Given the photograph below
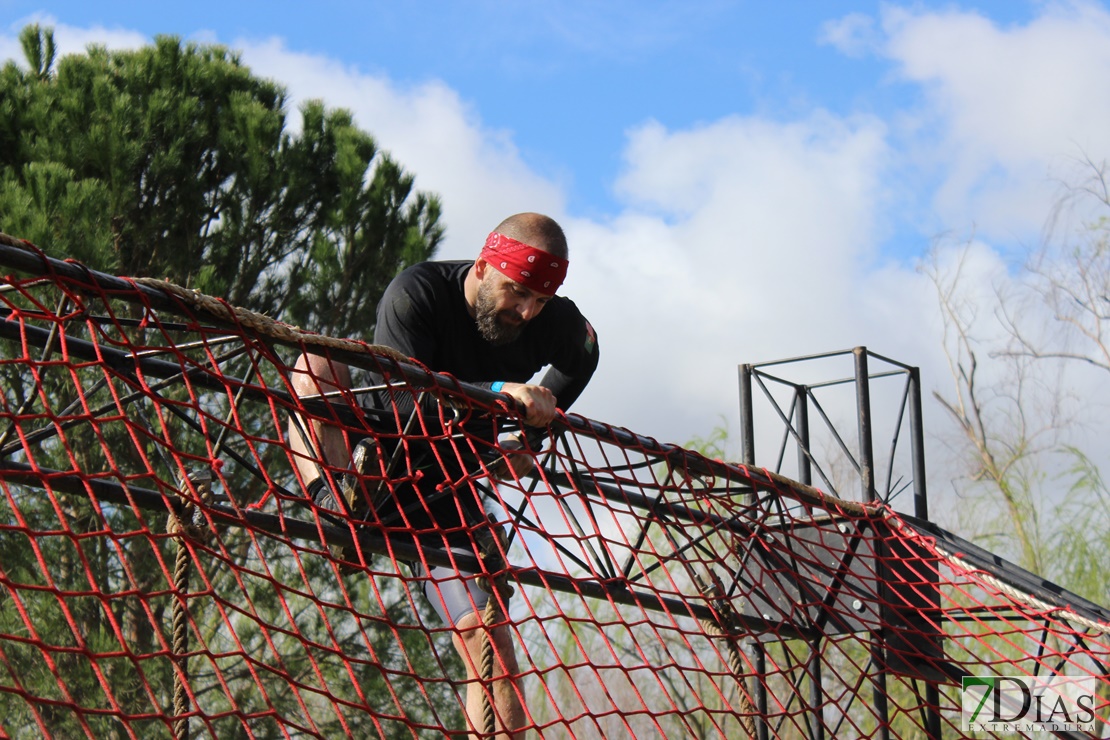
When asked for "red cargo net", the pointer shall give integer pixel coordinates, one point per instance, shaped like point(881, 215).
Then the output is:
point(162, 572)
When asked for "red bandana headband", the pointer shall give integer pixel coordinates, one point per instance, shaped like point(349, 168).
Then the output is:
point(533, 268)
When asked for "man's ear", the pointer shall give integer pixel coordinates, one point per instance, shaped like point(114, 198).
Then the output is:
point(480, 266)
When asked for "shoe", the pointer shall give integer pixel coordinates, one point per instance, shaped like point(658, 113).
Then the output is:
point(342, 553)
point(366, 463)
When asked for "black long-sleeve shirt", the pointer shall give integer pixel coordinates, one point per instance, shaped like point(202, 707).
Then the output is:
point(424, 315)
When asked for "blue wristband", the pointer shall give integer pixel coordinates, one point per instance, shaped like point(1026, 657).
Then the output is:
point(497, 386)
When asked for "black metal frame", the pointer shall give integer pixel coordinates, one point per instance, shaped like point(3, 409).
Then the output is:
point(907, 418)
point(796, 421)
point(607, 486)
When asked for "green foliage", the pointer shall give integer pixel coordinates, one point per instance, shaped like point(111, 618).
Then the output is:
point(714, 445)
point(175, 161)
point(1080, 544)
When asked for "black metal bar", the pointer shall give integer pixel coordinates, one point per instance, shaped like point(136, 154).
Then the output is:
point(826, 355)
point(917, 448)
point(863, 419)
point(125, 363)
point(828, 383)
point(805, 476)
point(203, 378)
point(933, 728)
point(888, 489)
point(778, 564)
point(755, 648)
point(1009, 573)
point(867, 484)
point(614, 589)
point(36, 262)
point(47, 350)
point(805, 466)
point(791, 432)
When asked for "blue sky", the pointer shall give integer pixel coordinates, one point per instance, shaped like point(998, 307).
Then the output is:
point(567, 79)
point(740, 181)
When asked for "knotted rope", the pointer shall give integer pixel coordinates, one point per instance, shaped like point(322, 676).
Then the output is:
point(492, 545)
point(180, 527)
point(726, 626)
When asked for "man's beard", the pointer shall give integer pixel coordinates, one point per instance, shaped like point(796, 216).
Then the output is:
point(490, 325)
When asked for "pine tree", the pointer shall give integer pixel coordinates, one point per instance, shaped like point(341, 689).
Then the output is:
point(174, 161)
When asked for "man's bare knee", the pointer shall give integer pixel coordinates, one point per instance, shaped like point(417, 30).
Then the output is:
point(314, 374)
point(313, 442)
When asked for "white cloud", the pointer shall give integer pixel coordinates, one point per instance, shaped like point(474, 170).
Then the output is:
point(430, 130)
point(854, 35)
point(1010, 105)
point(743, 241)
point(68, 39)
point(747, 239)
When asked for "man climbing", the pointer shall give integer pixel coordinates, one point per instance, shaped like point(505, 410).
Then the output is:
point(493, 323)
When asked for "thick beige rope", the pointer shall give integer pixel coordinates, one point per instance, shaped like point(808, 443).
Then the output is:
point(498, 587)
point(181, 526)
point(261, 323)
point(736, 663)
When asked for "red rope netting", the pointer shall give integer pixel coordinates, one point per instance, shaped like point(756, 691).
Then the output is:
point(163, 573)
